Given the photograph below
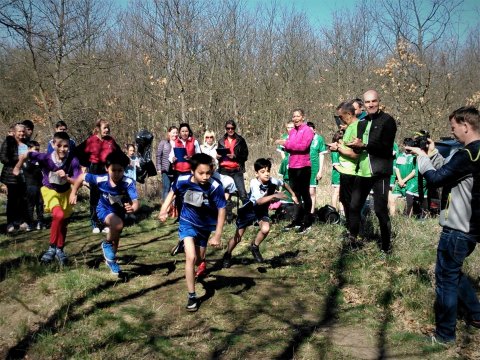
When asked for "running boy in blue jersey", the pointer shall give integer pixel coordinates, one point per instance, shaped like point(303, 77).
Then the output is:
point(118, 198)
point(263, 190)
point(203, 211)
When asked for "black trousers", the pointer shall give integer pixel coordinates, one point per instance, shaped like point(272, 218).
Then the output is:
point(347, 182)
point(299, 180)
point(361, 188)
point(239, 180)
point(16, 209)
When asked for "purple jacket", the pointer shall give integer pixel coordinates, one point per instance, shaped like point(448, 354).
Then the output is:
point(71, 166)
point(298, 146)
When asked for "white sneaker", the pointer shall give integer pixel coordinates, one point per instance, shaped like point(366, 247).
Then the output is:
point(96, 230)
point(10, 229)
point(24, 227)
point(106, 230)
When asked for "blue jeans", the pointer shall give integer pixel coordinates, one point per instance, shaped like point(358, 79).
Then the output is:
point(451, 284)
point(166, 184)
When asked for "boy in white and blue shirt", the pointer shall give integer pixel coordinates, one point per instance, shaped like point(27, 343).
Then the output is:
point(263, 190)
point(118, 198)
point(203, 211)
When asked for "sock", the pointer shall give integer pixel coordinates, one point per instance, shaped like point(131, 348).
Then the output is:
point(192, 295)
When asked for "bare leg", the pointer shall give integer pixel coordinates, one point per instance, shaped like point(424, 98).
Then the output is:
point(313, 196)
point(190, 260)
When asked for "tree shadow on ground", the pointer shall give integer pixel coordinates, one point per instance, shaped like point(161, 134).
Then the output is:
point(65, 313)
point(330, 309)
point(12, 264)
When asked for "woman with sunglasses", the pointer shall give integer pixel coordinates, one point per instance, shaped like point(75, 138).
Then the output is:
point(233, 163)
point(209, 145)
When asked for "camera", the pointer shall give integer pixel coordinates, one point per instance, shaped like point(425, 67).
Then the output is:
point(419, 140)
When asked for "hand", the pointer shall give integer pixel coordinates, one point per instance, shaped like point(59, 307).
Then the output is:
point(72, 199)
point(319, 176)
point(356, 144)
point(219, 156)
point(280, 142)
point(231, 156)
point(401, 183)
point(215, 240)
point(128, 208)
point(163, 216)
point(61, 173)
point(333, 146)
point(16, 171)
point(174, 159)
point(295, 200)
point(415, 150)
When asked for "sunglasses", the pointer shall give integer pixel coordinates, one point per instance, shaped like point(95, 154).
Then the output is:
point(230, 128)
point(208, 137)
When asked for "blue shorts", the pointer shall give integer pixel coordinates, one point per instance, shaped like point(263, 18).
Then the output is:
point(250, 218)
point(104, 211)
point(199, 235)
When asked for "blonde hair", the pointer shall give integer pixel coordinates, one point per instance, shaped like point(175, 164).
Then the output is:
point(209, 133)
point(98, 125)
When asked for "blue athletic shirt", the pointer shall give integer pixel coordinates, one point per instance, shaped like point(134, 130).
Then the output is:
point(113, 197)
point(200, 203)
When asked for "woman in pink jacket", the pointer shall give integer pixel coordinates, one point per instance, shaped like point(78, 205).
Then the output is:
point(299, 169)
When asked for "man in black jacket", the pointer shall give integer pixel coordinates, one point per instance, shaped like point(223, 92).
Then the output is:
point(375, 137)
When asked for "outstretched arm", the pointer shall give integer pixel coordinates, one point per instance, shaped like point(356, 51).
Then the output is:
point(77, 185)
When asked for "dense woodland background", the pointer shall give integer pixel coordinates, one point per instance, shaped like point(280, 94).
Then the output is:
point(151, 64)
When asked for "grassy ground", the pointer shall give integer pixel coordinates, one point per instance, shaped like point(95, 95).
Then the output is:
point(313, 299)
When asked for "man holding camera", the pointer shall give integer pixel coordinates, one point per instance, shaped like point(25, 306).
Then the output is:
point(374, 144)
point(459, 175)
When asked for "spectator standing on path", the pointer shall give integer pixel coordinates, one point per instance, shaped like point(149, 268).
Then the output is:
point(93, 153)
point(163, 164)
point(60, 126)
point(299, 169)
point(374, 143)
point(347, 157)
point(185, 140)
point(33, 181)
point(459, 176)
point(11, 149)
point(233, 163)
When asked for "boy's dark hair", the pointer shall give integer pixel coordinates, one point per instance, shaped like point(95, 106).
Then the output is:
point(337, 136)
point(311, 125)
point(28, 124)
point(262, 163)
point(60, 123)
point(60, 135)
point(117, 157)
point(201, 159)
point(33, 143)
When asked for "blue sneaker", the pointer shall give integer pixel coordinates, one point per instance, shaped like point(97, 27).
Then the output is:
point(114, 267)
point(48, 255)
point(61, 257)
point(108, 251)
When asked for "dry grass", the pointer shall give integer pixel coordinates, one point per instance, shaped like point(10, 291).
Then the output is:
point(313, 299)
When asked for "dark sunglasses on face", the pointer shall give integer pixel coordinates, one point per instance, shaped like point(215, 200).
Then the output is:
point(208, 137)
point(230, 128)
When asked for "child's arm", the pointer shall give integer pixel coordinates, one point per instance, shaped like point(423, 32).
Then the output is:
point(21, 160)
point(407, 178)
point(77, 185)
point(320, 168)
point(166, 204)
point(216, 240)
point(292, 194)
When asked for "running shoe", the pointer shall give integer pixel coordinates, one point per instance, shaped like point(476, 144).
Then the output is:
point(192, 304)
point(114, 267)
point(48, 255)
point(61, 257)
point(202, 269)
